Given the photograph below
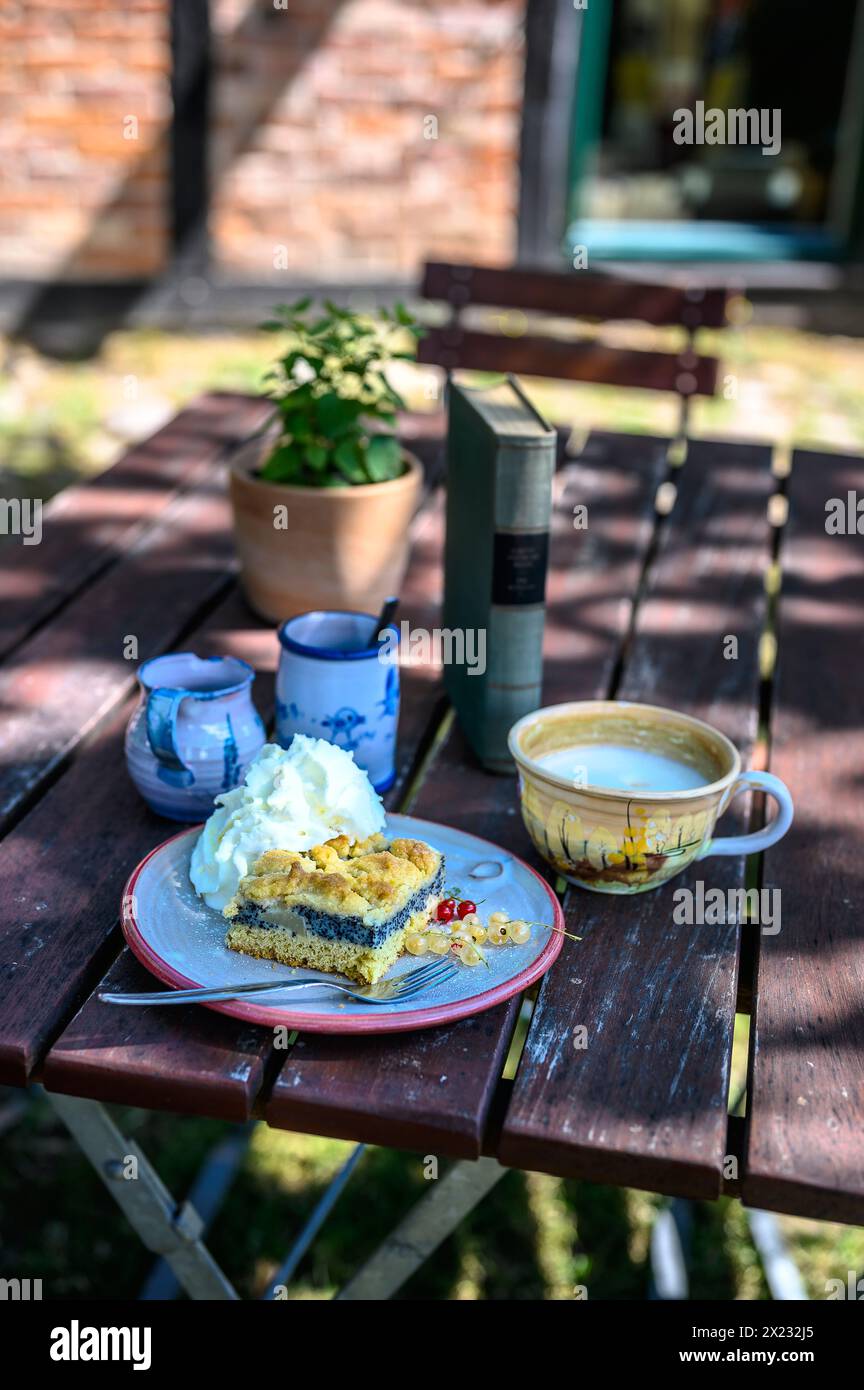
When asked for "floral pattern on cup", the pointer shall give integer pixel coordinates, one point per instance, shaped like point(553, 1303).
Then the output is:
point(332, 684)
point(618, 841)
point(641, 847)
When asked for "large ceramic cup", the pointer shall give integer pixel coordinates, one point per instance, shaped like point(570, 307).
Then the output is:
point(627, 838)
point(335, 682)
point(194, 733)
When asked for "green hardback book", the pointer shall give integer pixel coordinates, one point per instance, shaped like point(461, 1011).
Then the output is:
point(500, 464)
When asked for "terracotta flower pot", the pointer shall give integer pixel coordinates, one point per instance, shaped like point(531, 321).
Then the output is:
point(306, 547)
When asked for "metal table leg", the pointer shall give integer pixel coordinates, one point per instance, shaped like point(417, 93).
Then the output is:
point(278, 1286)
point(164, 1227)
point(428, 1223)
point(207, 1193)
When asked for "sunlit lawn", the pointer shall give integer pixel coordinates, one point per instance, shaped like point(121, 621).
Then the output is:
point(59, 421)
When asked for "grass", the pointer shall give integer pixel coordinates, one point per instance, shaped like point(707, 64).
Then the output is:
point(60, 421)
point(534, 1236)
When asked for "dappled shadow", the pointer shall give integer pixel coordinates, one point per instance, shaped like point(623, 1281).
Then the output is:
point(87, 529)
point(68, 319)
point(657, 1090)
point(663, 993)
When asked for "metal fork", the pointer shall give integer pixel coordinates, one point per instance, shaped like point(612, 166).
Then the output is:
point(435, 972)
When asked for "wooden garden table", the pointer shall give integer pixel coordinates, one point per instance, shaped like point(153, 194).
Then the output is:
point(641, 604)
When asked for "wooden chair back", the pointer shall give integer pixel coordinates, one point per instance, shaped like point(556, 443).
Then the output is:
point(577, 295)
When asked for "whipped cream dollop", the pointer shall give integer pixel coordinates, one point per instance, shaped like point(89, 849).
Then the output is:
point(291, 798)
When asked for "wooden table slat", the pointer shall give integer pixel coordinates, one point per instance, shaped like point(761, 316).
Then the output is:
point(191, 1061)
point(805, 1104)
point(88, 526)
point(644, 1103)
point(59, 684)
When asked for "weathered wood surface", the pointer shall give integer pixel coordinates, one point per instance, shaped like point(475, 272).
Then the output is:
point(68, 676)
point(583, 295)
point(805, 1103)
point(59, 685)
point(87, 528)
point(433, 1090)
point(64, 864)
point(62, 871)
point(193, 1059)
point(644, 1104)
point(568, 360)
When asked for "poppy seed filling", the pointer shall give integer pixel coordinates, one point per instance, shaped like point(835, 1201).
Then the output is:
point(336, 927)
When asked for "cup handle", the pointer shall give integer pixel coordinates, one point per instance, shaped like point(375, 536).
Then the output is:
point(769, 834)
point(163, 706)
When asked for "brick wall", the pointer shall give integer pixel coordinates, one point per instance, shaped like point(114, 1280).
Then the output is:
point(352, 139)
point(349, 140)
point(84, 104)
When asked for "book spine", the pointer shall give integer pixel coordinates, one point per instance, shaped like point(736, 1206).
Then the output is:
point(498, 582)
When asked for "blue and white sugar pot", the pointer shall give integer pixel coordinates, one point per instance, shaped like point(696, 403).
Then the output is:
point(337, 682)
point(194, 733)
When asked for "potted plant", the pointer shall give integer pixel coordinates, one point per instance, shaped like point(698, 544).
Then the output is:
point(324, 495)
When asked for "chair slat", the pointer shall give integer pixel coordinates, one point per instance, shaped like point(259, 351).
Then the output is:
point(579, 294)
point(530, 355)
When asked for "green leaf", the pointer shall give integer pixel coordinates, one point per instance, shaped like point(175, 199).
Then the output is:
point(300, 428)
point(348, 460)
point(336, 414)
point(285, 465)
point(337, 346)
point(383, 413)
point(388, 391)
point(300, 398)
point(316, 456)
point(384, 458)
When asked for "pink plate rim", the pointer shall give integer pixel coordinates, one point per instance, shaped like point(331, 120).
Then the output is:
point(376, 1022)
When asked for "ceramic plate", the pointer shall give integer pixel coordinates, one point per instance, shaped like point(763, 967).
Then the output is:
point(182, 941)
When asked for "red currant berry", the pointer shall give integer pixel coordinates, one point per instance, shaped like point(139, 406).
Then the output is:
point(465, 907)
point(446, 910)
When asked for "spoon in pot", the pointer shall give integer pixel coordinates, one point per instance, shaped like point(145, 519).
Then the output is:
point(385, 617)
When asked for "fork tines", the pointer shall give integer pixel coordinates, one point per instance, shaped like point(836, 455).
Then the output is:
point(434, 973)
